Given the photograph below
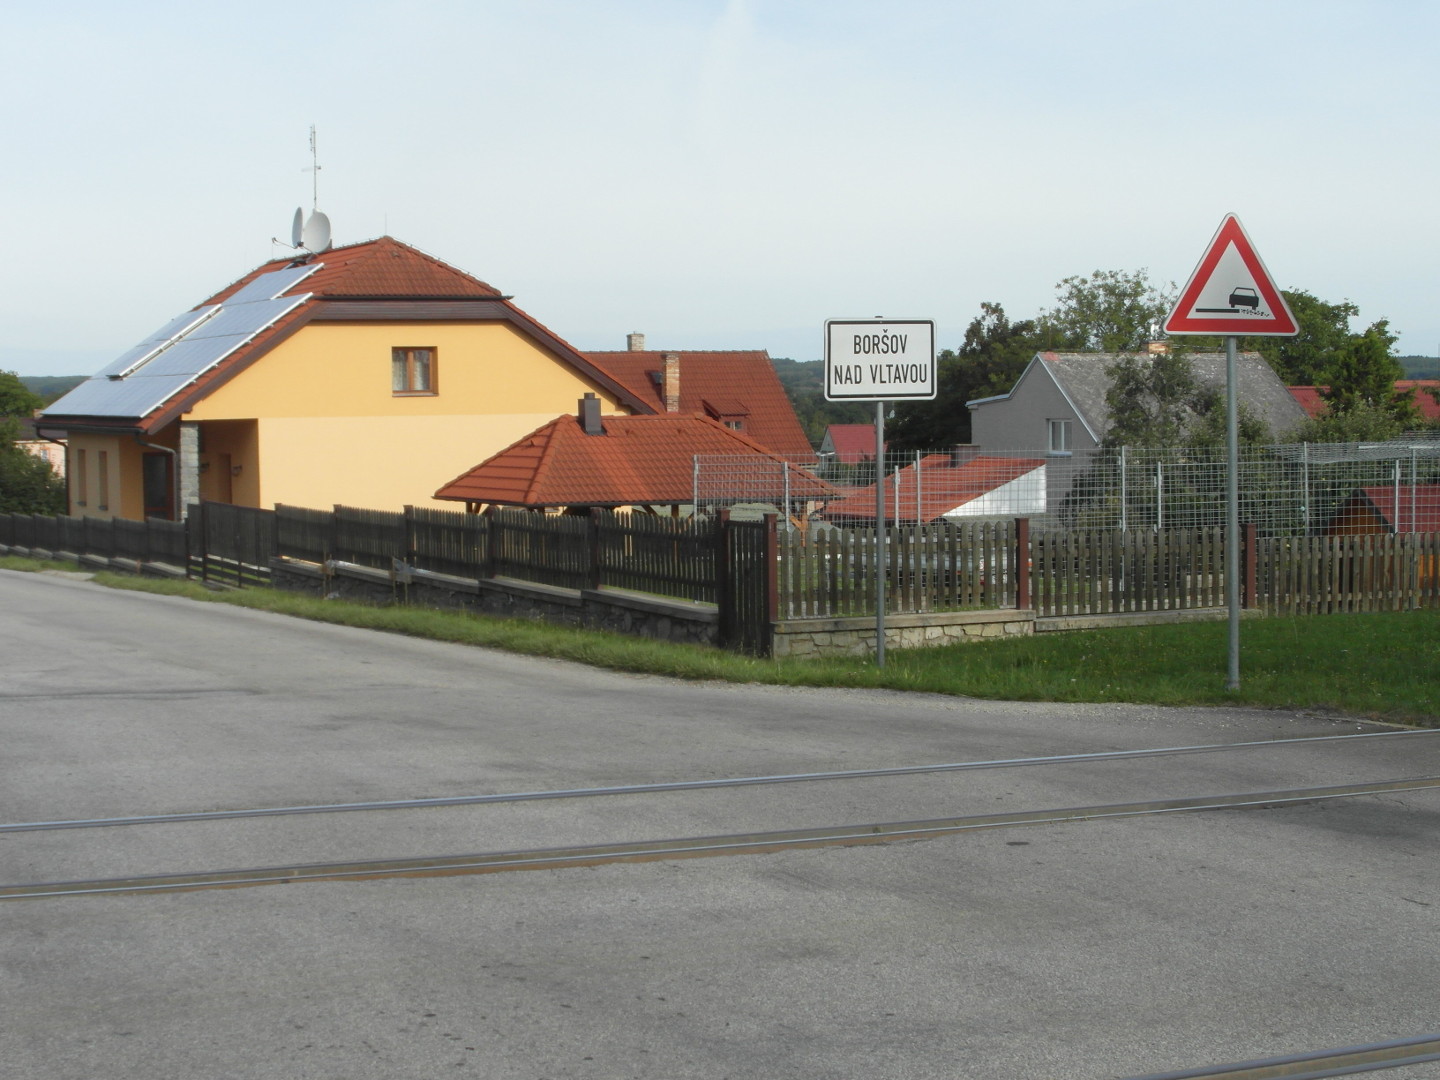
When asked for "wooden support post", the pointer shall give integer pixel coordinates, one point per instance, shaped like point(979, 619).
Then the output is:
point(1249, 556)
point(1022, 563)
point(594, 536)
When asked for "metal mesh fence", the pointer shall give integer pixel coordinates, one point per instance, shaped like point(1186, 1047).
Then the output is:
point(1296, 489)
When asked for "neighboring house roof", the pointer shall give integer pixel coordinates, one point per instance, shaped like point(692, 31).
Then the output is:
point(1410, 508)
point(850, 443)
point(637, 461)
point(1084, 380)
point(734, 385)
point(938, 486)
point(1312, 399)
point(374, 281)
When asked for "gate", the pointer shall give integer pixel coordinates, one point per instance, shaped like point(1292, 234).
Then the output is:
point(747, 585)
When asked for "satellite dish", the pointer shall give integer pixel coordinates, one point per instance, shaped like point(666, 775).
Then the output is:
point(315, 236)
point(296, 225)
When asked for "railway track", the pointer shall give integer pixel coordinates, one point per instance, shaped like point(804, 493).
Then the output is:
point(693, 846)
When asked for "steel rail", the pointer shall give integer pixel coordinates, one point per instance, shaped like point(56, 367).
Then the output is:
point(687, 785)
point(1345, 1061)
point(691, 847)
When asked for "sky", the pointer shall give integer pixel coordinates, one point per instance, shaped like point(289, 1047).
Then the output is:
point(718, 174)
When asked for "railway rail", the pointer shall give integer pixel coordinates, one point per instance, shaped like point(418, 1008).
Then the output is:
point(693, 846)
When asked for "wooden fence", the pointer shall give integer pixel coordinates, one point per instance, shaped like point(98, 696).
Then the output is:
point(1317, 575)
point(1109, 572)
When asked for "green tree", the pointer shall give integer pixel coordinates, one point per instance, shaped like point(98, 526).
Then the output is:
point(1109, 311)
point(1150, 399)
point(994, 353)
point(1362, 422)
point(1305, 359)
point(15, 398)
point(1364, 373)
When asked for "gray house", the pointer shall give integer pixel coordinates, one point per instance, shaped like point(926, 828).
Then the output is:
point(1057, 406)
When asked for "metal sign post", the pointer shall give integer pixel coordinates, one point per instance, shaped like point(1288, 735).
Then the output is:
point(880, 360)
point(1231, 293)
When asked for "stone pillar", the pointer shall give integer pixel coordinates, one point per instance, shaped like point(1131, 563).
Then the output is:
point(189, 463)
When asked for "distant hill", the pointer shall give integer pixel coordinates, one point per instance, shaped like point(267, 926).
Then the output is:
point(51, 387)
point(1420, 367)
point(804, 383)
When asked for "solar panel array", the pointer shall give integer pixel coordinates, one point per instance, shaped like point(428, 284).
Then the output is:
point(184, 349)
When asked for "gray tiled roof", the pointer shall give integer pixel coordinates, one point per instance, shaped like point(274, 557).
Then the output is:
point(1083, 376)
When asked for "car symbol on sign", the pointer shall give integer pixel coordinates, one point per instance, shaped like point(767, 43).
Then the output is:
point(1240, 296)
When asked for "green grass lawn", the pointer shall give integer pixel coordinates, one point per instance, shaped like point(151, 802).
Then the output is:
point(1378, 666)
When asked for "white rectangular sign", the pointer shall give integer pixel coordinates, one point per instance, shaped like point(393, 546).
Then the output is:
point(879, 359)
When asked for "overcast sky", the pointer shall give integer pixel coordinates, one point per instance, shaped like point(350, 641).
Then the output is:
point(716, 173)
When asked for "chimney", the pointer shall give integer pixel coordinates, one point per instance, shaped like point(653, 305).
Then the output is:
point(670, 381)
point(960, 453)
point(635, 341)
point(590, 415)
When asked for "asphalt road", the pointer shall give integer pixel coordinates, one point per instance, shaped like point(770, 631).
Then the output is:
point(1106, 949)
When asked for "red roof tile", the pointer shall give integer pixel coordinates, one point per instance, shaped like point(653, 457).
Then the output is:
point(738, 384)
point(639, 460)
point(376, 269)
point(935, 488)
point(1418, 506)
point(852, 442)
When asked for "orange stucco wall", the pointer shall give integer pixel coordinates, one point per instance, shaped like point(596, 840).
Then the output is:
point(121, 494)
point(330, 430)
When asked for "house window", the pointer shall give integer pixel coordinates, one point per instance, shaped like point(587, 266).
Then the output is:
point(412, 371)
point(735, 425)
point(82, 479)
point(103, 480)
point(1059, 436)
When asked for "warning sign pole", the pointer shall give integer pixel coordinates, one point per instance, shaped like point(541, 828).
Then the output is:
point(1231, 292)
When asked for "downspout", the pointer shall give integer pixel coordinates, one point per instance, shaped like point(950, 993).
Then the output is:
point(174, 478)
point(66, 456)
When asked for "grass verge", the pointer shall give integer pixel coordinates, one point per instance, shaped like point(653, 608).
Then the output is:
point(1378, 666)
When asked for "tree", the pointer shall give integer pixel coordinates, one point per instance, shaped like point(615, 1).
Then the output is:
point(1364, 373)
point(15, 398)
point(1305, 359)
point(1110, 311)
point(1362, 422)
point(1150, 399)
point(992, 357)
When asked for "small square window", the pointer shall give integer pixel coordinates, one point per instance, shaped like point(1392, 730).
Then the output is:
point(1059, 436)
point(412, 371)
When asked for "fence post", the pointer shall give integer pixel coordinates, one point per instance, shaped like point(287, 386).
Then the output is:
point(772, 576)
point(1250, 557)
point(594, 529)
point(492, 541)
point(196, 519)
point(724, 594)
point(1022, 563)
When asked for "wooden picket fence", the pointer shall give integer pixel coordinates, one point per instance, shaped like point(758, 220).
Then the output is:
point(1316, 575)
point(1109, 572)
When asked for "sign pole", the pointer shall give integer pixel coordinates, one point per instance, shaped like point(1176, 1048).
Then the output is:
point(880, 564)
point(1232, 517)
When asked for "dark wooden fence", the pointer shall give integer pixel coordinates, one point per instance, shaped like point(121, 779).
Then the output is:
point(1104, 572)
point(1317, 575)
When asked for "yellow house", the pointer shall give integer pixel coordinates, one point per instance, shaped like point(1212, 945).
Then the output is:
point(360, 376)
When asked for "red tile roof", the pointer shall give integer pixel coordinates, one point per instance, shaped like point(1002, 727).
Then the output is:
point(376, 269)
point(942, 487)
point(1314, 403)
point(739, 384)
point(1419, 507)
point(639, 460)
point(852, 442)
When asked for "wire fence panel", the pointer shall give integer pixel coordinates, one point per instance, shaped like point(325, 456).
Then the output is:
point(1285, 490)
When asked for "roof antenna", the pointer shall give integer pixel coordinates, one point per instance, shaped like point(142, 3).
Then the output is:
point(310, 236)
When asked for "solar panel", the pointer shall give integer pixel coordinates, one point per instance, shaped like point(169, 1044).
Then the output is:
point(127, 398)
point(268, 286)
point(175, 328)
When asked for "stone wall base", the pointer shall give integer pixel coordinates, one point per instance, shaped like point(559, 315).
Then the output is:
point(856, 637)
point(618, 610)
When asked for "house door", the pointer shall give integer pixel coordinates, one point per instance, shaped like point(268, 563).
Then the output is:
point(158, 480)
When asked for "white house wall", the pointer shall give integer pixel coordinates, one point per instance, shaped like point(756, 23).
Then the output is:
point(1022, 497)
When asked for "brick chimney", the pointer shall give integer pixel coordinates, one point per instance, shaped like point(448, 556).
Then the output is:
point(670, 381)
point(590, 415)
point(635, 341)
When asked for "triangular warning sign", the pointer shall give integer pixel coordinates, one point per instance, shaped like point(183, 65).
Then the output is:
point(1231, 292)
